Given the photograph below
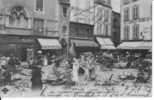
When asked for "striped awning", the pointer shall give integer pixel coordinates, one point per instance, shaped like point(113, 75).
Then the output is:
point(106, 43)
point(49, 44)
point(84, 43)
point(143, 45)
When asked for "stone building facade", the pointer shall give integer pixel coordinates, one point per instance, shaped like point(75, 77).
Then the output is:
point(97, 13)
point(136, 23)
point(136, 20)
point(82, 11)
point(23, 22)
point(80, 30)
point(94, 12)
point(103, 18)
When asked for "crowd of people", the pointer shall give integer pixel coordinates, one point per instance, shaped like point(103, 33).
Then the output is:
point(76, 68)
point(8, 66)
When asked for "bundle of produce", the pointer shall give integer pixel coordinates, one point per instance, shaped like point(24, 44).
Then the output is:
point(48, 73)
point(26, 72)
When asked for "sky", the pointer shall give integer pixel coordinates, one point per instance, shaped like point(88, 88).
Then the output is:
point(116, 5)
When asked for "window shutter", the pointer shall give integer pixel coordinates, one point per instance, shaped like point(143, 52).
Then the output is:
point(133, 14)
point(138, 31)
point(127, 32)
point(134, 32)
point(138, 12)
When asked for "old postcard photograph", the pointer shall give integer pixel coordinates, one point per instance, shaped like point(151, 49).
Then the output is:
point(76, 48)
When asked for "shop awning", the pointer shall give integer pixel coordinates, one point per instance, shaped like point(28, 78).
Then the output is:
point(106, 43)
point(143, 45)
point(84, 43)
point(47, 44)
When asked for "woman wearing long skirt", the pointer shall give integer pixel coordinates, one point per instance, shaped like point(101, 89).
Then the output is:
point(76, 66)
point(36, 78)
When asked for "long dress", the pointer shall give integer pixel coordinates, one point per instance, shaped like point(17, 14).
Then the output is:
point(36, 78)
point(75, 77)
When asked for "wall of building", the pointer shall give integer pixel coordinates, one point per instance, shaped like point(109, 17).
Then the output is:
point(82, 11)
point(92, 12)
point(50, 14)
point(144, 20)
point(64, 21)
point(22, 23)
point(81, 31)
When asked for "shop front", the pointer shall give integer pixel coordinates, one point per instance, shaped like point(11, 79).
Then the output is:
point(84, 45)
point(26, 48)
point(50, 47)
point(138, 47)
point(49, 44)
point(106, 44)
point(23, 48)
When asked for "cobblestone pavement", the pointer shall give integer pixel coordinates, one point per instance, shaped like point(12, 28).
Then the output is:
point(128, 90)
point(22, 88)
point(143, 90)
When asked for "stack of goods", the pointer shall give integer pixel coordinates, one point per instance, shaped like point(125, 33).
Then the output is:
point(106, 60)
point(49, 73)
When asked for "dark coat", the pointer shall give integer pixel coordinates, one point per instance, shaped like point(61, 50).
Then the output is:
point(36, 78)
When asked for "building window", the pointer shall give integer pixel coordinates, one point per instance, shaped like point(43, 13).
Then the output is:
point(1, 23)
point(39, 5)
point(18, 17)
point(126, 32)
point(134, 0)
point(88, 31)
point(151, 10)
point(99, 14)
point(106, 15)
point(136, 32)
point(125, 2)
point(77, 32)
point(108, 2)
point(65, 11)
point(99, 28)
point(151, 32)
point(38, 25)
point(64, 30)
point(106, 30)
point(115, 23)
point(126, 14)
point(135, 12)
point(11, 20)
